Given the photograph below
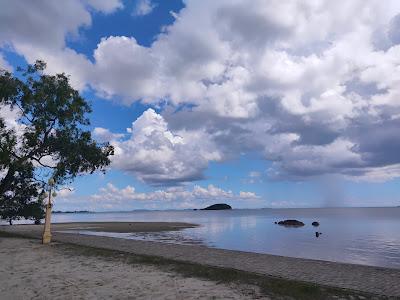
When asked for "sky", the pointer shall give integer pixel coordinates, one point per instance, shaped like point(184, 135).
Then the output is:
point(262, 103)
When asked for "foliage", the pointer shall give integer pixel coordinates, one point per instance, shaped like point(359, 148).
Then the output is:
point(20, 194)
point(48, 140)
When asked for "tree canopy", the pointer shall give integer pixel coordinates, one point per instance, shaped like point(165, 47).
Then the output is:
point(49, 138)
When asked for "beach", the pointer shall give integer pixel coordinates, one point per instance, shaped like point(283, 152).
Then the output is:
point(30, 270)
point(235, 274)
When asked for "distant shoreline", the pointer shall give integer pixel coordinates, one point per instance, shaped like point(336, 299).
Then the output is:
point(73, 212)
point(233, 209)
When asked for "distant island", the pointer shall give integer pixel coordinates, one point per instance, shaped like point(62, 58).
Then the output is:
point(71, 212)
point(219, 206)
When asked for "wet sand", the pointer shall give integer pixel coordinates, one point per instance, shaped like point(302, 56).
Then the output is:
point(119, 227)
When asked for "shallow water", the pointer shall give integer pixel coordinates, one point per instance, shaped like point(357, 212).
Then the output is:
point(369, 236)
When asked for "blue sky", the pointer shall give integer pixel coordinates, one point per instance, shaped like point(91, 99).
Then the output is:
point(226, 102)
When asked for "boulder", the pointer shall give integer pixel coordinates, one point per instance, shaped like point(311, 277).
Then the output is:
point(291, 223)
point(315, 223)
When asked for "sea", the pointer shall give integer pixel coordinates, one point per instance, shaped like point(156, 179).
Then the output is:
point(367, 236)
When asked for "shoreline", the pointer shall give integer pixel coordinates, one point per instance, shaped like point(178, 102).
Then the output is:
point(364, 279)
point(117, 227)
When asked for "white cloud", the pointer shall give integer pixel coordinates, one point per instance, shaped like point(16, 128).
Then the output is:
point(171, 197)
point(248, 195)
point(105, 135)
point(378, 174)
point(38, 30)
point(111, 197)
point(143, 7)
point(122, 55)
point(65, 192)
point(10, 117)
point(157, 155)
point(301, 82)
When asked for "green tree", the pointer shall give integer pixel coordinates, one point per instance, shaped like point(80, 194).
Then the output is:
point(21, 195)
point(35, 209)
point(50, 139)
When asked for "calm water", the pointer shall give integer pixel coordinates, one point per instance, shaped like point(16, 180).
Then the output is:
point(369, 236)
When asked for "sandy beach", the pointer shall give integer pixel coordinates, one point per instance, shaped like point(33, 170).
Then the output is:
point(98, 267)
point(29, 270)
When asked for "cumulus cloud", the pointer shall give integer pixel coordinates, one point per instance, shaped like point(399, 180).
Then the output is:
point(121, 55)
point(111, 197)
point(143, 7)
point(39, 30)
point(171, 197)
point(311, 85)
point(159, 156)
point(211, 192)
point(105, 135)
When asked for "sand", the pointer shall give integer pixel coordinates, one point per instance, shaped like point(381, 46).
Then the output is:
point(120, 227)
point(29, 270)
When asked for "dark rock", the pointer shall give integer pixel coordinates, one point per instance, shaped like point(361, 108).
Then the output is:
point(315, 223)
point(291, 223)
point(219, 206)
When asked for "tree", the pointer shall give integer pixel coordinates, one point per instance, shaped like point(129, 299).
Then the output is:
point(20, 196)
point(49, 139)
point(35, 210)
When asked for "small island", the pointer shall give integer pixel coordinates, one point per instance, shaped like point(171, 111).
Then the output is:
point(219, 206)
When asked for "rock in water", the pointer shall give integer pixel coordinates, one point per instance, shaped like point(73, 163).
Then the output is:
point(291, 223)
point(315, 223)
point(219, 206)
